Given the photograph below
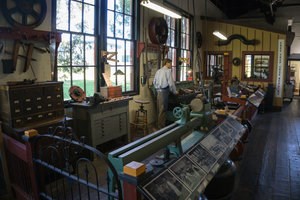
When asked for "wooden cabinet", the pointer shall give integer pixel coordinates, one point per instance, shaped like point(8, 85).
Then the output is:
point(103, 122)
point(30, 104)
point(4, 179)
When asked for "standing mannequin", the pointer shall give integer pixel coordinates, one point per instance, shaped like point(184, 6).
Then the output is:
point(164, 84)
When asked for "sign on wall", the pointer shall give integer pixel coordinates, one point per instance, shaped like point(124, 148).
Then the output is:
point(280, 64)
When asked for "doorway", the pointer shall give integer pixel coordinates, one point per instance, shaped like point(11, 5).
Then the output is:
point(295, 75)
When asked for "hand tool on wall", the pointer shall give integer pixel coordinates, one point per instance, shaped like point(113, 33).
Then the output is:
point(21, 56)
point(15, 53)
point(28, 57)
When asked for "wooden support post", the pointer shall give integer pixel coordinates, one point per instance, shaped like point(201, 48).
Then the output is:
point(130, 192)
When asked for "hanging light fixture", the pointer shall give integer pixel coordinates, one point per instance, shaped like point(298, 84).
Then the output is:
point(220, 35)
point(159, 8)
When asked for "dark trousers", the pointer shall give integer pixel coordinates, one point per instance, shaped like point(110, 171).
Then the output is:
point(162, 107)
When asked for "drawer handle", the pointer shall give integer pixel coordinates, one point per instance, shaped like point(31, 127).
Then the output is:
point(50, 114)
point(16, 101)
point(39, 98)
point(18, 120)
point(58, 96)
point(40, 116)
point(28, 109)
point(17, 110)
point(49, 105)
point(29, 118)
point(27, 100)
point(39, 107)
point(49, 97)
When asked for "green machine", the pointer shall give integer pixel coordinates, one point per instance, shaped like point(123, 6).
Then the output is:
point(175, 139)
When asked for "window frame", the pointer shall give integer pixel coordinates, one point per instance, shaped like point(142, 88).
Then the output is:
point(100, 36)
point(258, 53)
point(210, 71)
point(135, 20)
point(175, 51)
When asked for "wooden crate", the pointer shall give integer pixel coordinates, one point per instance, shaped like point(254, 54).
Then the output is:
point(111, 91)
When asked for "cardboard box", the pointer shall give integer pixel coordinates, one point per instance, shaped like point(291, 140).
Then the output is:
point(31, 132)
point(134, 168)
point(111, 91)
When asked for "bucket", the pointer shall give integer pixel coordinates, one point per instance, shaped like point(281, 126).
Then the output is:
point(7, 66)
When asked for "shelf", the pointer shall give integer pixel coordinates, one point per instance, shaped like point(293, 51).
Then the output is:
point(29, 35)
point(151, 48)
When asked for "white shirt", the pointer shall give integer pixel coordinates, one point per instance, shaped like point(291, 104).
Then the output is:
point(163, 78)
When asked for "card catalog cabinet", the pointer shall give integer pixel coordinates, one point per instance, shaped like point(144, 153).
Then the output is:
point(29, 104)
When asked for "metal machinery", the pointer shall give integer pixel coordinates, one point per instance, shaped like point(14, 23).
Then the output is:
point(181, 158)
point(186, 94)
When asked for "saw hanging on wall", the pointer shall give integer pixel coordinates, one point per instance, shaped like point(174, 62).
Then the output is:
point(24, 13)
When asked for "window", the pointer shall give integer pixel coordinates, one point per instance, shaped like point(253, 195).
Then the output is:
point(257, 66)
point(214, 63)
point(120, 40)
point(185, 53)
point(171, 43)
point(179, 44)
point(75, 60)
point(78, 59)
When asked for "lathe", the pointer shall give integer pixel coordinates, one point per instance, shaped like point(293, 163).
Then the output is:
point(186, 93)
point(182, 145)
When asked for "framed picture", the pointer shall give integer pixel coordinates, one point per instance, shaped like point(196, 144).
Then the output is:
point(214, 146)
point(188, 172)
point(166, 187)
point(201, 156)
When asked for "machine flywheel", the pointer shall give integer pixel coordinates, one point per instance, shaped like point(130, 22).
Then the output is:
point(24, 13)
point(177, 112)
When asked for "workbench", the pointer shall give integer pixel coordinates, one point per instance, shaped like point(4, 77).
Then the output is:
point(103, 122)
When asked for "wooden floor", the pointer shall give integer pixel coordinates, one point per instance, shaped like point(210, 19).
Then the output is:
point(270, 169)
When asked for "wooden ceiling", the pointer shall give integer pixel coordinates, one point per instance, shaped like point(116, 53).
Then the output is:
point(269, 9)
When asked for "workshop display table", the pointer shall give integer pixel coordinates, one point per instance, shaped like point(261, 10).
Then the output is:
point(189, 171)
point(103, 122)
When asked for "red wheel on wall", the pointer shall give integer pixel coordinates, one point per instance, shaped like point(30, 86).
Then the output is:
point(77, 94)
point(158, 30)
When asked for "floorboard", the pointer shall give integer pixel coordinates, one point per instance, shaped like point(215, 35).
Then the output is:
point(270, 169)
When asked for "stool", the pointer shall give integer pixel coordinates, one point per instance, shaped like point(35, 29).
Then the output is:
point(140, 120)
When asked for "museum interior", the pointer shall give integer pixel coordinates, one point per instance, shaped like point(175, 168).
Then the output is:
point(150, 99)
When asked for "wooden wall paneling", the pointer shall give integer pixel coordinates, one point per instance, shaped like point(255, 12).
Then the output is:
point(244, 47)
point(216, 28)
point(266, 43)
point(223, 30)
point(207, 37)
point(244, 32)
point(250, 36)
point(213, 40)
point(229, 32)
point(259, 36)
point(236, 51)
